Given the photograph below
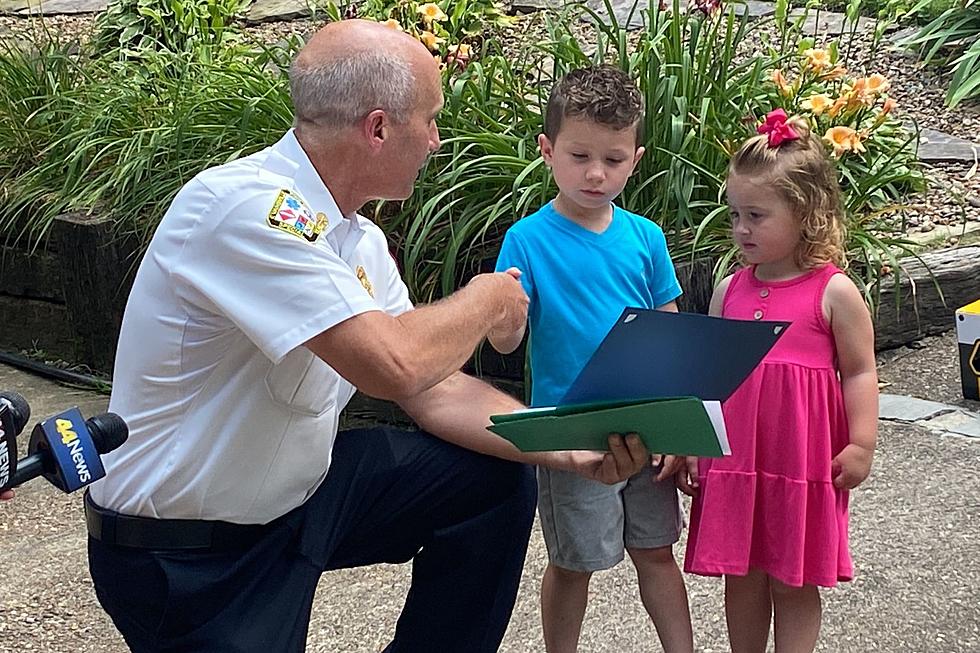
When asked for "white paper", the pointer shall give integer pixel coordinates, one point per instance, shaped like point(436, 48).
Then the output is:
point(713, 408)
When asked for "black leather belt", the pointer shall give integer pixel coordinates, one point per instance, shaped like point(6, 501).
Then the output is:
point(182, 534)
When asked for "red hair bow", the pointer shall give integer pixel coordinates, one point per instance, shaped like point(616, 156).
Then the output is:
point(778, 129)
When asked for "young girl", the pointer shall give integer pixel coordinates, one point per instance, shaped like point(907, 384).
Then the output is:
point(772, 517)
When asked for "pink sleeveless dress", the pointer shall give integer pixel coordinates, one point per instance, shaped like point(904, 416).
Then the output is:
point(771, 505)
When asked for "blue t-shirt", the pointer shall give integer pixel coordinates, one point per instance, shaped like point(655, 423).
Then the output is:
point(579, 282)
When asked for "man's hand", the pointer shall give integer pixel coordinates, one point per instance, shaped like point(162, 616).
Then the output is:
point(626, 457)
point(510, 297)
point(6, 495)
point(851, 466)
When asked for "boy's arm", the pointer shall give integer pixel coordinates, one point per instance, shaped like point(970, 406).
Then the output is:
point(850, 322)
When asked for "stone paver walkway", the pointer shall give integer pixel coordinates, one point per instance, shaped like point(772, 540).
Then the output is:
point(915, 530)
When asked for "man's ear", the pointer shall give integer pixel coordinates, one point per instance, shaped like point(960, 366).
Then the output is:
point(374, 128)
point(547, 149)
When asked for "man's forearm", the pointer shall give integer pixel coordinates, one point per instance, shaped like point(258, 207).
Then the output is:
point(458, 409)
point(442, 336)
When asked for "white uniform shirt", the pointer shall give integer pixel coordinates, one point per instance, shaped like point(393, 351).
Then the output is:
point(230, 417)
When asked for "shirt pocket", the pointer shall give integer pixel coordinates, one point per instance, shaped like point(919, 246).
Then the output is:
point(303, 383)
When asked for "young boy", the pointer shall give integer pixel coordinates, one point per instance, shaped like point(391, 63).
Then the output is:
point(583, 260)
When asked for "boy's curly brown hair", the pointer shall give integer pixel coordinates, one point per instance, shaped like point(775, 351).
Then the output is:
point(604, 94)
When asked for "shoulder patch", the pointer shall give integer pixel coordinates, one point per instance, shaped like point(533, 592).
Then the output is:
point(363, 278)
point(290, 213)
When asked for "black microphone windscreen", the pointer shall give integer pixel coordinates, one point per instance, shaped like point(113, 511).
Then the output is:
point(19, 408)
point(108, 431)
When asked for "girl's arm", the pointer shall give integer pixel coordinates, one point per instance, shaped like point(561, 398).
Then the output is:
point(850, 322)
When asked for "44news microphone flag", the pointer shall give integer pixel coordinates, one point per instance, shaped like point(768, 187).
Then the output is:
point(658, 374)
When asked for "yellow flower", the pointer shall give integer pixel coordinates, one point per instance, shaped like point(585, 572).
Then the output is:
point(817, 60)
point(843, 139)
point(876, 84)
point(785, 88)
point(430, 40)
point(393, 24)
point(817, 103)
point(431, 12)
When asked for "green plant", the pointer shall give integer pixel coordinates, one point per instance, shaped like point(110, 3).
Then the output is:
point(489, 174)
point(125, 143)
point(34, 83)
point(130, 28)
point(953, 39)
point(455, 20)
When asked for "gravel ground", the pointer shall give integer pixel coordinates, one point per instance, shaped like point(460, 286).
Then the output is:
point(915, 533)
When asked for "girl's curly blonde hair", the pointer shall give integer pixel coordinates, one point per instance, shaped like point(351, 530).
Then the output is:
point(800, 170)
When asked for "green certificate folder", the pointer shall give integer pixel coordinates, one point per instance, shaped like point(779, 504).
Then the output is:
point(658, 374)
point(676, 425)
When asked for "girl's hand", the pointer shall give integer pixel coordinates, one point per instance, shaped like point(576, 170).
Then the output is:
point(851, 466)
point(687, 478)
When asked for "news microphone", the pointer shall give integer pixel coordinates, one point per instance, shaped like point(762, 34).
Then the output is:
point(65, 449)
point(14, 413)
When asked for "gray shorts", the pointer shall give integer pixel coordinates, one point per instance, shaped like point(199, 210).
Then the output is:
point(588, 524)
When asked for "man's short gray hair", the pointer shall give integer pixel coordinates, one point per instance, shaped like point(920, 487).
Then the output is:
point(342, 91)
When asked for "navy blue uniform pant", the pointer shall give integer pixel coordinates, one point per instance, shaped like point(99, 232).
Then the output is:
point(462, 518)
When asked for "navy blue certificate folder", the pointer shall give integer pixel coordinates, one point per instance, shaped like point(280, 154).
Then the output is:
point(660, 375)
point(650, 354)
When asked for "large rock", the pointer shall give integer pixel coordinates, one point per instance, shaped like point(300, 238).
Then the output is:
point(936, 146)
point(263, 11)
point(64, 7)
point(829, 23)
point(922, 308)
point(12, 6)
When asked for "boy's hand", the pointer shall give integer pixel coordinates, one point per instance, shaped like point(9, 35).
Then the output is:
point(851, 466)
point(6, 495)
point(687, 478)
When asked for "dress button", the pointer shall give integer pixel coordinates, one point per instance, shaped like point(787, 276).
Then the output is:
point(757, 315)
point(764, 293)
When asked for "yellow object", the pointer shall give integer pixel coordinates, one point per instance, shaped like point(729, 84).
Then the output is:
point(968, 335)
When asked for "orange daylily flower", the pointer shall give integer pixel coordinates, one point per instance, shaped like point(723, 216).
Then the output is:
point(843, 139)
point(834, 73)
point(430, 40)
point(785, 88)
point(461, 53)
point(431, 12)
point(817, 103)
point(393, 24)
point(886, 108)
point(876, 84)
point(817, 60)
point(838, 106)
